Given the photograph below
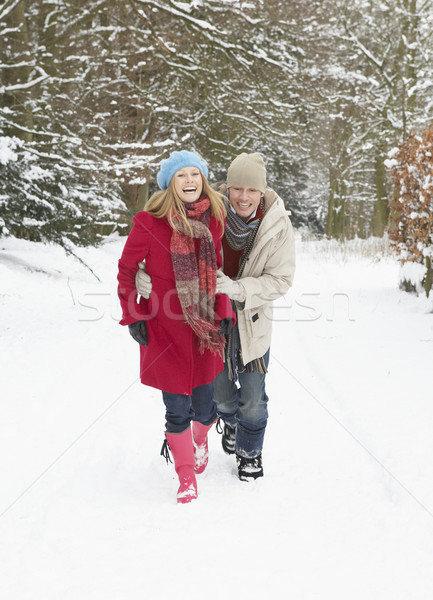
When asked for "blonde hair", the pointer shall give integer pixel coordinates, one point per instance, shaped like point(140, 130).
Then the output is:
point(166, 203)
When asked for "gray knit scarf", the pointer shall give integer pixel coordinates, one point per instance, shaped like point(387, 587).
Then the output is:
point(237, 232)
point(240, 236)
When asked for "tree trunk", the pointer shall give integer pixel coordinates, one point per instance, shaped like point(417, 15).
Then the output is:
point(336, 207)
point(428, 276)
point(380, 212)
point(19, 100)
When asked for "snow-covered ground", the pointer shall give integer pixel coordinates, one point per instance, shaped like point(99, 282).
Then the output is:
point(87, 504)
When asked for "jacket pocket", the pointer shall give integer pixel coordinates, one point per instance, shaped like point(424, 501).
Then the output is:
point(259, 322)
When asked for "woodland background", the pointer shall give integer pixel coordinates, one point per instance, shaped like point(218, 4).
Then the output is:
point(94, 93)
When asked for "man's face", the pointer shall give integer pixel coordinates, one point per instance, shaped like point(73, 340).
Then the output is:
point(244, 200)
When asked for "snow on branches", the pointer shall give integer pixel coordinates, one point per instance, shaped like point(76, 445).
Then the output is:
point(411, 217)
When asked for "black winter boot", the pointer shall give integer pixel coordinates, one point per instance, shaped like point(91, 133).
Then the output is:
point(249, 468)
point(228, 440)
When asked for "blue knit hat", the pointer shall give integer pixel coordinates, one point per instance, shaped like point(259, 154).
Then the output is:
point(178, 160)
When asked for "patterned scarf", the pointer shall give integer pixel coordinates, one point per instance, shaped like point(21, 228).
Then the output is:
point(196, 281)
point(240, 236)
point(237, 232)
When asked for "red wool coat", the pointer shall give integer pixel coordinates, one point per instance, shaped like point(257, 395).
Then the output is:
point(171, 362)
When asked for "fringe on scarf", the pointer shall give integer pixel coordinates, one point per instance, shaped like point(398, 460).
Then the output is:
point(233, 358)
point(206, 332)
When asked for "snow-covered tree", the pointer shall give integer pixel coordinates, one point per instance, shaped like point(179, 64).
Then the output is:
point(389, 53)
point(411, 223)
point(53, 186)
point(99, 92)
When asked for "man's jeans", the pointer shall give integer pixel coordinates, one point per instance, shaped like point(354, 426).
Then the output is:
point(245, 406)
point(181, 409)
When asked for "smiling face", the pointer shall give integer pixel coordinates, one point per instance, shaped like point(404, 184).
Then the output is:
point(244, 200)
point(188, 184)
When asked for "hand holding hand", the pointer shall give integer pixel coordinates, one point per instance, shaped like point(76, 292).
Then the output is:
point(143, 281)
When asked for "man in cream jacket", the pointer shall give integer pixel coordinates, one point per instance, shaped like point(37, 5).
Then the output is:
point(258, 268)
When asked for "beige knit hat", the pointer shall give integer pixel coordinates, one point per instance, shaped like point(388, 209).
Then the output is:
point(247, 170)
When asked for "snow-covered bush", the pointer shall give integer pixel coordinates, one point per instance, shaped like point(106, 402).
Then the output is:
point(412, 277)
point(411, 216)
point(44, 199)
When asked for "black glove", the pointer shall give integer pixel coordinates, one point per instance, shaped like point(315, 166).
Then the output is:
point(225, 326)
point(139, 332)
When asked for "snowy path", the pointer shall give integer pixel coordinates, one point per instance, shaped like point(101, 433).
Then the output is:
point(88, 512)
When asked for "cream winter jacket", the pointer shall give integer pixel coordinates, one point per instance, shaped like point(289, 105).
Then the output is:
point(268, 274)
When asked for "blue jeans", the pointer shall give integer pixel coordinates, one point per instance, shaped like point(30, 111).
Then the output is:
point(181, 409)
point(245, 407)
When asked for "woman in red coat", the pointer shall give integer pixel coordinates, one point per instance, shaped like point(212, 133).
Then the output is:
point(181, 326)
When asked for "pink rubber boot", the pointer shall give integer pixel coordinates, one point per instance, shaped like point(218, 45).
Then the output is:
point(183, 454)
point(201, 450)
